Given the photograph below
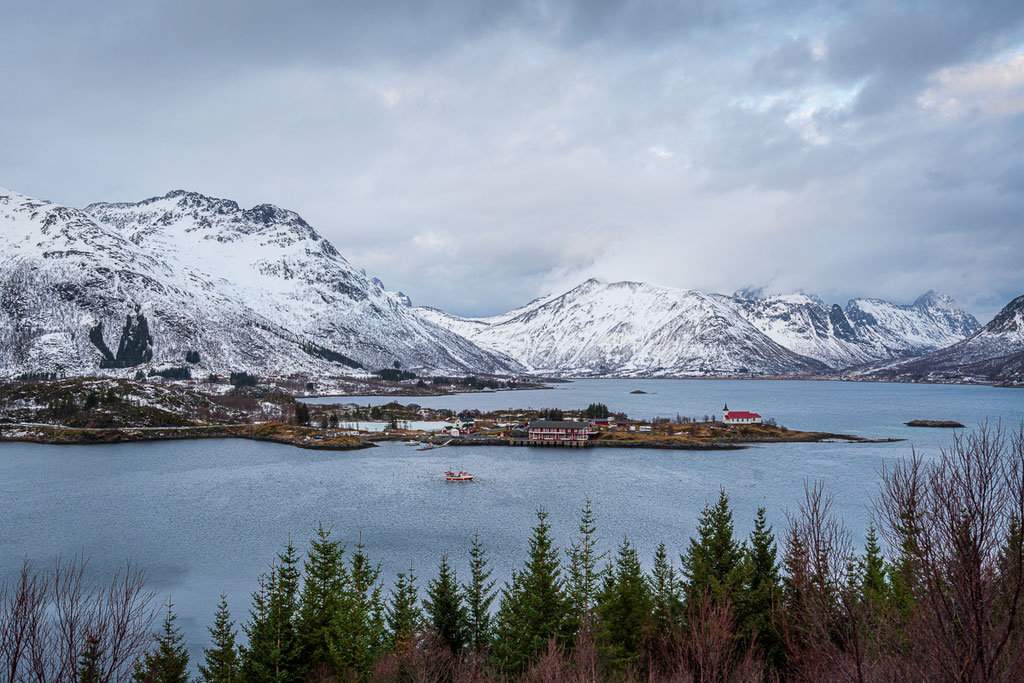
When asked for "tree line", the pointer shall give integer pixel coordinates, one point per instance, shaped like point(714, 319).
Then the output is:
point(942, 603)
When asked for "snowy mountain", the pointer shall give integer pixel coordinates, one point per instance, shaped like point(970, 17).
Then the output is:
point(248, 289)
point(634, 329)
point(630, 329)
point(867, 330)
point(995, 353)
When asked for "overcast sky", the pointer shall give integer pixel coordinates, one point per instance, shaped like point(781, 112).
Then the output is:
point(478, 154)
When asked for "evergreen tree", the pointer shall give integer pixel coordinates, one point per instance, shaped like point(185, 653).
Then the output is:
point(360, 628)
point(89, 670)
point(272, 654)
point(301, 413)
point(763, 590)
point(533, 608)
point(479, 594)
point(168, 661)
point(258, 652)
point(666, 593)
point(404, 614)
point(444, 608)
point(582, 575)
point(625, 608)
point(323, 585)
point(872, 570)
point(221, 662)
point(714, 561)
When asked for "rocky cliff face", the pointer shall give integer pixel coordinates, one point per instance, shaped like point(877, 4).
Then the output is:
point(995, 353)
point(248, 289)
point(630, 328)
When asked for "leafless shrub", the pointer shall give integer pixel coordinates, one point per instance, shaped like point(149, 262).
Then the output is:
point(46, 617)
point(955, 525)
point(711, 648)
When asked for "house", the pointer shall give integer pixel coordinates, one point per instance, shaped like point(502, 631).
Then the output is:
point(739, 417)
point(466, 425)
point(599, 422)
point(560, 430)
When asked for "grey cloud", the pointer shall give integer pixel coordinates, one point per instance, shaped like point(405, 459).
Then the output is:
point(704, 145)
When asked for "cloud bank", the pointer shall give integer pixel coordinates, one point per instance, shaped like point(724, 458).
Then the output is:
point(476, 155)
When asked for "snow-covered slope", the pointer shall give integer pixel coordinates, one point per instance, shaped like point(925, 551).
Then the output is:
point(868, 330)
point(993, 353)
point(630, 329)
point(249, 289)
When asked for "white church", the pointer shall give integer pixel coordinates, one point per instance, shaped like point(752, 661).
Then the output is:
point(739, 417)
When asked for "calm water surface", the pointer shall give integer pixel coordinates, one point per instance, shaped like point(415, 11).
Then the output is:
point(207, 516)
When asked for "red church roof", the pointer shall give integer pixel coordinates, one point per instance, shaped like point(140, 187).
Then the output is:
point(740, 415)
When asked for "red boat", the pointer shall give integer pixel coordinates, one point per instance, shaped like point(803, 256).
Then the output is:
point(457, 476)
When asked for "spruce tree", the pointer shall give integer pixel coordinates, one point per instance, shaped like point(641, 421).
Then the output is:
point(168, 661)
point(625, 608)
point(763, 590)
point(582, 576)
point(89, 670)
point(533, 608)
point(714, 562)
point(323, 585)
point(872, 570)
point(361, 628)
point(221, 662)
point(444, 608)
point(272, 654)
point(479, 594)
point(404, 614)
point(666, 593)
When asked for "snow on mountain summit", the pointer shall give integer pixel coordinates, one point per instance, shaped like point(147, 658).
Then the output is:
point(250, 289)
point(630, 329)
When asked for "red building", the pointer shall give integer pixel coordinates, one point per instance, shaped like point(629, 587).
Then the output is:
point(560, 430)
point(739, 417)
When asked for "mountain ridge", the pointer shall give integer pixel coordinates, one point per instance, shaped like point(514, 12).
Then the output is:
point(250, 289)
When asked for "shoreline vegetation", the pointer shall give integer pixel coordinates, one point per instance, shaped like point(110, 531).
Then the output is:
point(94, 411)
point(934, 593)
point(946, 424)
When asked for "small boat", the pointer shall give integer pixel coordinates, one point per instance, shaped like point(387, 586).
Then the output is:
point(451, 475)
point(412, 443)
point(429, 445)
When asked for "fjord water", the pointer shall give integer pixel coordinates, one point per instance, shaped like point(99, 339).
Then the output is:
point(207, 516)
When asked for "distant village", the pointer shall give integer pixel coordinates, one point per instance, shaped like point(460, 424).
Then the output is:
point(548, 427)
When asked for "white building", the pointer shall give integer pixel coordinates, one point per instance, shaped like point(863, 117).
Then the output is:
point(739, 417)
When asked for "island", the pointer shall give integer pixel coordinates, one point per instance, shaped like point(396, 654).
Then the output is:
point(104, 411)
point(948, 424)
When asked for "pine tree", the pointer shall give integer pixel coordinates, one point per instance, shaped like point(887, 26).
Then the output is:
point(361, 628)
point(533, 608)
point(666, 593)
point(625, 608)
point(404, 614)
point(479, 594)
point(89, 670)
point(444, 608)
point(323, 586)
point(221, 662)
point(168, 661)
point(714, 562)
point(582, 575)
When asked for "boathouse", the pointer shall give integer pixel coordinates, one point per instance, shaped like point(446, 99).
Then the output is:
point(560, 431)
point(739, 417)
